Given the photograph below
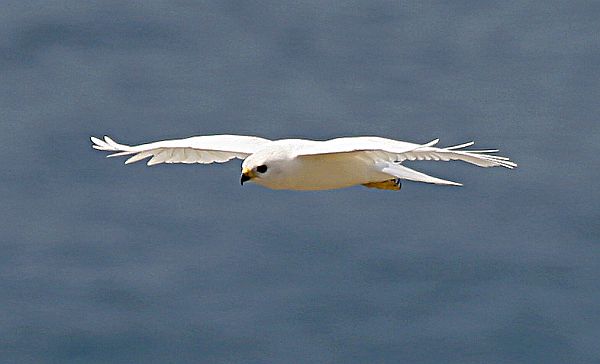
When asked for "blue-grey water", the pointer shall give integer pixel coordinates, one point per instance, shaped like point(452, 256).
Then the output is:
point(106, 263)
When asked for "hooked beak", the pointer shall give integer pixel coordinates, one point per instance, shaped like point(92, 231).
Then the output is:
point(247, 175)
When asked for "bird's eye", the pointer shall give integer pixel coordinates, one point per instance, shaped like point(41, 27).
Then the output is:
point(261, 169)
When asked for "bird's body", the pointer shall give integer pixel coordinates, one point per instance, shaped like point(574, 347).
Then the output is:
point(313, 172)
point(300, 164)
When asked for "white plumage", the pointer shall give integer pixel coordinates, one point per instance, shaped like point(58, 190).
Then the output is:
point(200, 149)
point(301, 164)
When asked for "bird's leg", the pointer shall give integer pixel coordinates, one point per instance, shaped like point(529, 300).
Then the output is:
point(391, 184)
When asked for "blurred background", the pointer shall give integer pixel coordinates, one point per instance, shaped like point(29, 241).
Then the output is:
point(102, 263)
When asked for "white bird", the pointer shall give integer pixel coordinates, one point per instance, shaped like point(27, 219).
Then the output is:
point(301, 164)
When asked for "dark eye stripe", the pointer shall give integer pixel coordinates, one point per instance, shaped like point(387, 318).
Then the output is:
point(261, 169)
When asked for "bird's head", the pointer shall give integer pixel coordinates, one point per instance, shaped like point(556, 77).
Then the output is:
point(251, 173)
point(266, 169)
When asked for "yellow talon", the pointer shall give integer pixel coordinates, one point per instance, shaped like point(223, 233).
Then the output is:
point(391, 184)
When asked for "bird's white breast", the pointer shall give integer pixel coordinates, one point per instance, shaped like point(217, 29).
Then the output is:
point(317, 172)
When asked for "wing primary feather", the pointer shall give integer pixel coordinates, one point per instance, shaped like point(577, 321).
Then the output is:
point(111, 142)
point(432, 143)
point(119, 154)
point(139, 156)
point(468, 144)
point(100, 144)
point(97, 141)
point(485, 151)
point(159, 157)
point(153, 161)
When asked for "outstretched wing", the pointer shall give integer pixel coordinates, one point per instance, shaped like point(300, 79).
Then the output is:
point(198, 149)
point(397, 151)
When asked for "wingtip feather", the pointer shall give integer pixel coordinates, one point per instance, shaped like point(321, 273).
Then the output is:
point(110, 142)
point(98, 144)
point(432, 143)
point(119, 154)
point(464, 145)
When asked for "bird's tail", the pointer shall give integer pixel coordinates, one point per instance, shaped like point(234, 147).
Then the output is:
point(402, 172)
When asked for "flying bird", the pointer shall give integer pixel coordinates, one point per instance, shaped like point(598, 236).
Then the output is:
point(302, 164)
